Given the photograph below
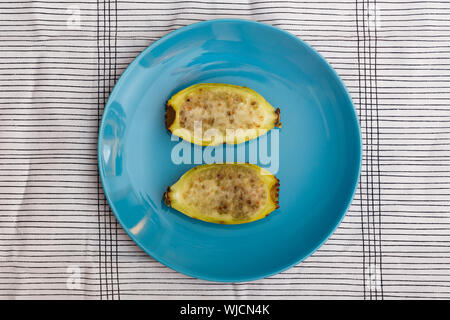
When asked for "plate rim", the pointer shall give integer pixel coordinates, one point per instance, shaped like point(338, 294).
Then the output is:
point(340, 83)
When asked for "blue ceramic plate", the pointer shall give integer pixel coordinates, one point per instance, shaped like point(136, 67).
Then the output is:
point(316, 154)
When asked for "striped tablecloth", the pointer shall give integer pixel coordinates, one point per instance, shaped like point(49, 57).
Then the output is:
point(60, 59)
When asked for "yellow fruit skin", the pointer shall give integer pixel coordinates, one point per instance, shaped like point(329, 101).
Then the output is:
point(271, 183)
point(173, 105)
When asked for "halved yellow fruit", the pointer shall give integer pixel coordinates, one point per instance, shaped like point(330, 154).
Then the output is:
point(230, 193)
point(216, 113)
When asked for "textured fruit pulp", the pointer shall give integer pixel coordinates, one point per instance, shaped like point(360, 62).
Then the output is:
point(226, 190)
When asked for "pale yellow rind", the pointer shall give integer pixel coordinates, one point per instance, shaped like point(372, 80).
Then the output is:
point(271, 116)
point(174, 198)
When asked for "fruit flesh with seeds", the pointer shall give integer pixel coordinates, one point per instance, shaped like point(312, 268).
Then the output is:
point(216, 113)
point(232, 193)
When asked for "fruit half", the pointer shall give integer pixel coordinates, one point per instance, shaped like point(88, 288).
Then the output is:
point(216, 113)
point(225, 193)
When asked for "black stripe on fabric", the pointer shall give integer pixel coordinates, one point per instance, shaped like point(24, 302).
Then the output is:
point(364, 129)
point(428, 2)
point(359, 187)
point(115, 79)
point(98, 177)
point(103, 201)
point(378, 154)
point(107, 79)
point(371, 208)
point(108, 210)
point(365, 138)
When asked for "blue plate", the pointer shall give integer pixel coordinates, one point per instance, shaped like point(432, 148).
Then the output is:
point(316, 154)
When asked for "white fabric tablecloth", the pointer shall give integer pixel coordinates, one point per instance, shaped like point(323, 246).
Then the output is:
point(60, 59)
